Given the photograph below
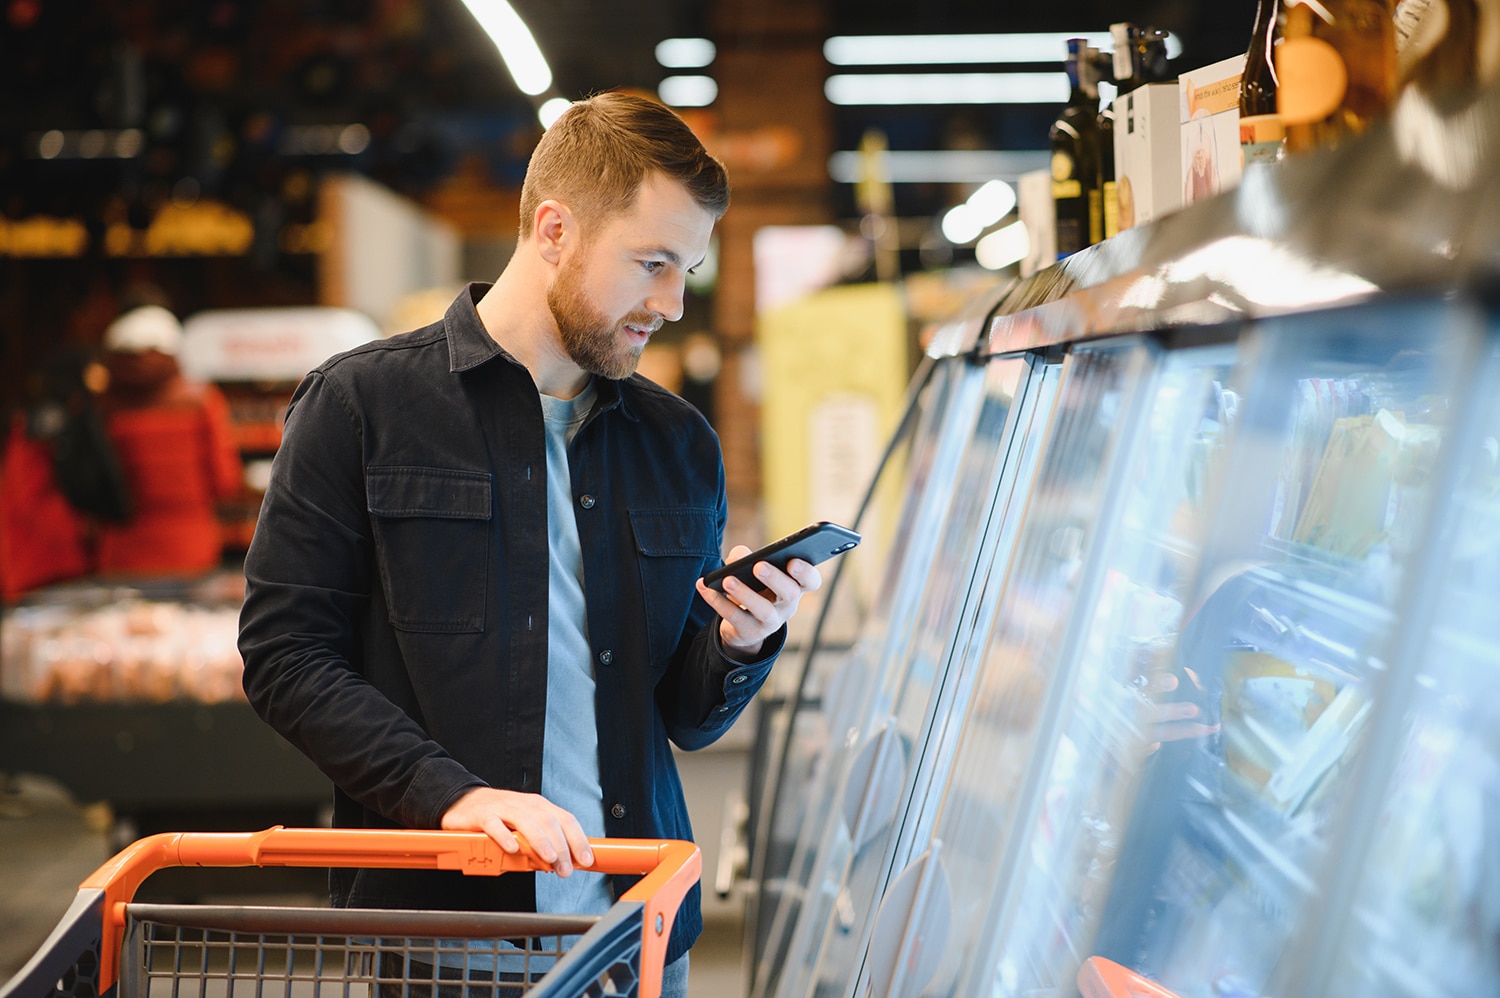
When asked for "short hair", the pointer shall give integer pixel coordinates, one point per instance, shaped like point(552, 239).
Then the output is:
point(595, 157)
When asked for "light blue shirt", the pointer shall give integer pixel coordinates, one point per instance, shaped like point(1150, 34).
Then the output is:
point(570, 748)
point(570, 742)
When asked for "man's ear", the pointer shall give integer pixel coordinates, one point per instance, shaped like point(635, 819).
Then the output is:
point(553, 227)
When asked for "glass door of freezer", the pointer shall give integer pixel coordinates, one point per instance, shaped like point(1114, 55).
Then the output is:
point(1095, 417)
point(1424, 911)
point(1187, 843)
point(918, 698)
point(861, 791)
point(838, 684)
point(1098, 689)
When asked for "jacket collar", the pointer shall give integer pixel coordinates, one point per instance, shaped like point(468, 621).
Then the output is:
point(470, 345)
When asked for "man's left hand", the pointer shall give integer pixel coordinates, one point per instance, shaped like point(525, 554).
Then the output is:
point(748, 617)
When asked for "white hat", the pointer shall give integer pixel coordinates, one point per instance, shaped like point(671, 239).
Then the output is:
point(149, 327)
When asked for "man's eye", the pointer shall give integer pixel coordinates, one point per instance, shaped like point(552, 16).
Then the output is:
point(652, 266)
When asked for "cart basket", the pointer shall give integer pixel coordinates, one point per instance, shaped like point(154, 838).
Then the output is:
point(106, 946)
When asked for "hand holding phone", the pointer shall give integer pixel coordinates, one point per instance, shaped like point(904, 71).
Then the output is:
point(813, 544)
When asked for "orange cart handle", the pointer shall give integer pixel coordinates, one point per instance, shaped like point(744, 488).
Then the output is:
point(1101, 978)
point(670, 867)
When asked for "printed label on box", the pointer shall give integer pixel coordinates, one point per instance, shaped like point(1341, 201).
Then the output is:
point(1210, 117)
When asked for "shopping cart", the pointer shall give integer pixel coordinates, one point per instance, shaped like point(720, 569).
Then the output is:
point(1101, 978)
point(105, 946)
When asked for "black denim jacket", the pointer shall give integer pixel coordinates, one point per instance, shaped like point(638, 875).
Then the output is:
point(395, 618)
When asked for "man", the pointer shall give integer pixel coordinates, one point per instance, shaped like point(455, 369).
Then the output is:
point(471, 596)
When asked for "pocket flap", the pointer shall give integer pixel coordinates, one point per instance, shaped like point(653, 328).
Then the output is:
point(684, 531)
point(431, 492)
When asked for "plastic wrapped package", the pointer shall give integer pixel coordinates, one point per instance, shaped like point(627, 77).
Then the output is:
point(96, 644)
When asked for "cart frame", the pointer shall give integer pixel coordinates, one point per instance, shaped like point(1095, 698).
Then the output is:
point(81, 958)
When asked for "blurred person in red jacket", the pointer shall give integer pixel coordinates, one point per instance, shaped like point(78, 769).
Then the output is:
point(176, 444)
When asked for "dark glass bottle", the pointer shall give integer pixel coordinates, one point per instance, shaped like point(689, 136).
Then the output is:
point(1075, 158)
point(1261, 133)
point(1109, 199)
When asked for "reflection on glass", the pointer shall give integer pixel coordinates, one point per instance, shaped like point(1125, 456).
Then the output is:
point(1326, 485)
point(926, 683)
point(1000, 727)
point(1128, 696)
point(840, 684)
point(1427, 913)
point(859, 847)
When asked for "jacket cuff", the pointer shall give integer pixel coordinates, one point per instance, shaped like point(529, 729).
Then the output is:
point(434, 788)
point(769, 650)
point(743, 680)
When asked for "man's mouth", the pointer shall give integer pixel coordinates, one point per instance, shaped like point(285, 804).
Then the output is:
point(640, 333)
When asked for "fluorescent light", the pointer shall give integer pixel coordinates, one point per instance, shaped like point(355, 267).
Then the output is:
point(1003, 247)
point(935, 50)
point(551, 110)
point(517, 47)
point(961, 225)
point(688, 91)
point(948, 88)
point(986, 206)
point(947, 166)
point(685, 53)
point(993, 201)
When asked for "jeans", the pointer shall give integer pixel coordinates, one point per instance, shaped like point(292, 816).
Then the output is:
point(674, 978)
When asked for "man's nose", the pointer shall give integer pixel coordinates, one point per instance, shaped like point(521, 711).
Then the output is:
point(667, 303)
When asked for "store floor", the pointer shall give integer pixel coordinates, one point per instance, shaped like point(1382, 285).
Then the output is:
point(49, 843)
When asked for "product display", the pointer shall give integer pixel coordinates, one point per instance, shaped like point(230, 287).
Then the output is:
point(1437, 45)
point(1109, 194)
point(1076, 158)
point(107, 645)
point(1209, 99)
point(1336, 69)
point(1215, 707)
point(1261, 131)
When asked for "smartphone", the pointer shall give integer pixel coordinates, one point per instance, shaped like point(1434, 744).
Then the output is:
point(813, 544)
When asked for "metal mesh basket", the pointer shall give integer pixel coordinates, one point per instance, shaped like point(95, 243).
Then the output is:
point(106, 947)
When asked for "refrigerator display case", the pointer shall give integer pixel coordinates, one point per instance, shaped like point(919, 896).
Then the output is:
point(1097, 408)
point(1227, 726)
point(814, 722)
point(915, 692)
point(1415, 909)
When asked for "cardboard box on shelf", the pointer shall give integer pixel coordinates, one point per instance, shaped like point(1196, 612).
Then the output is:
point(1039, 214)
point(1148, 168)
point(1209, 112)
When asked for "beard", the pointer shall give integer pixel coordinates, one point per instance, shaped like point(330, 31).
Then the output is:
point(589, 337)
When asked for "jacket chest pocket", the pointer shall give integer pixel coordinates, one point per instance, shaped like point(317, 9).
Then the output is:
point(432, 541)
point(673, 546)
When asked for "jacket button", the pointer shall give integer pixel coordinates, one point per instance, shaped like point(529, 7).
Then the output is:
point(606, 657)
point(618, 811)
point(587, 502)
point(739, 679)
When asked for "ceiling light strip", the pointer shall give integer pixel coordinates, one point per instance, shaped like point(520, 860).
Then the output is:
point(947, 88)
point(939, 50)
point(527, 66)
point(952, 166)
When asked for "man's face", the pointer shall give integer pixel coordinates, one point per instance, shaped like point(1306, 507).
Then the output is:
point(617, 288)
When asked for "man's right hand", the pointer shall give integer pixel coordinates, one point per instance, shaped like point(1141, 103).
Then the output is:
point(555, 836)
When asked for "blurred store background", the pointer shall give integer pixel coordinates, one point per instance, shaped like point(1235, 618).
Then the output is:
point(290, 179)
